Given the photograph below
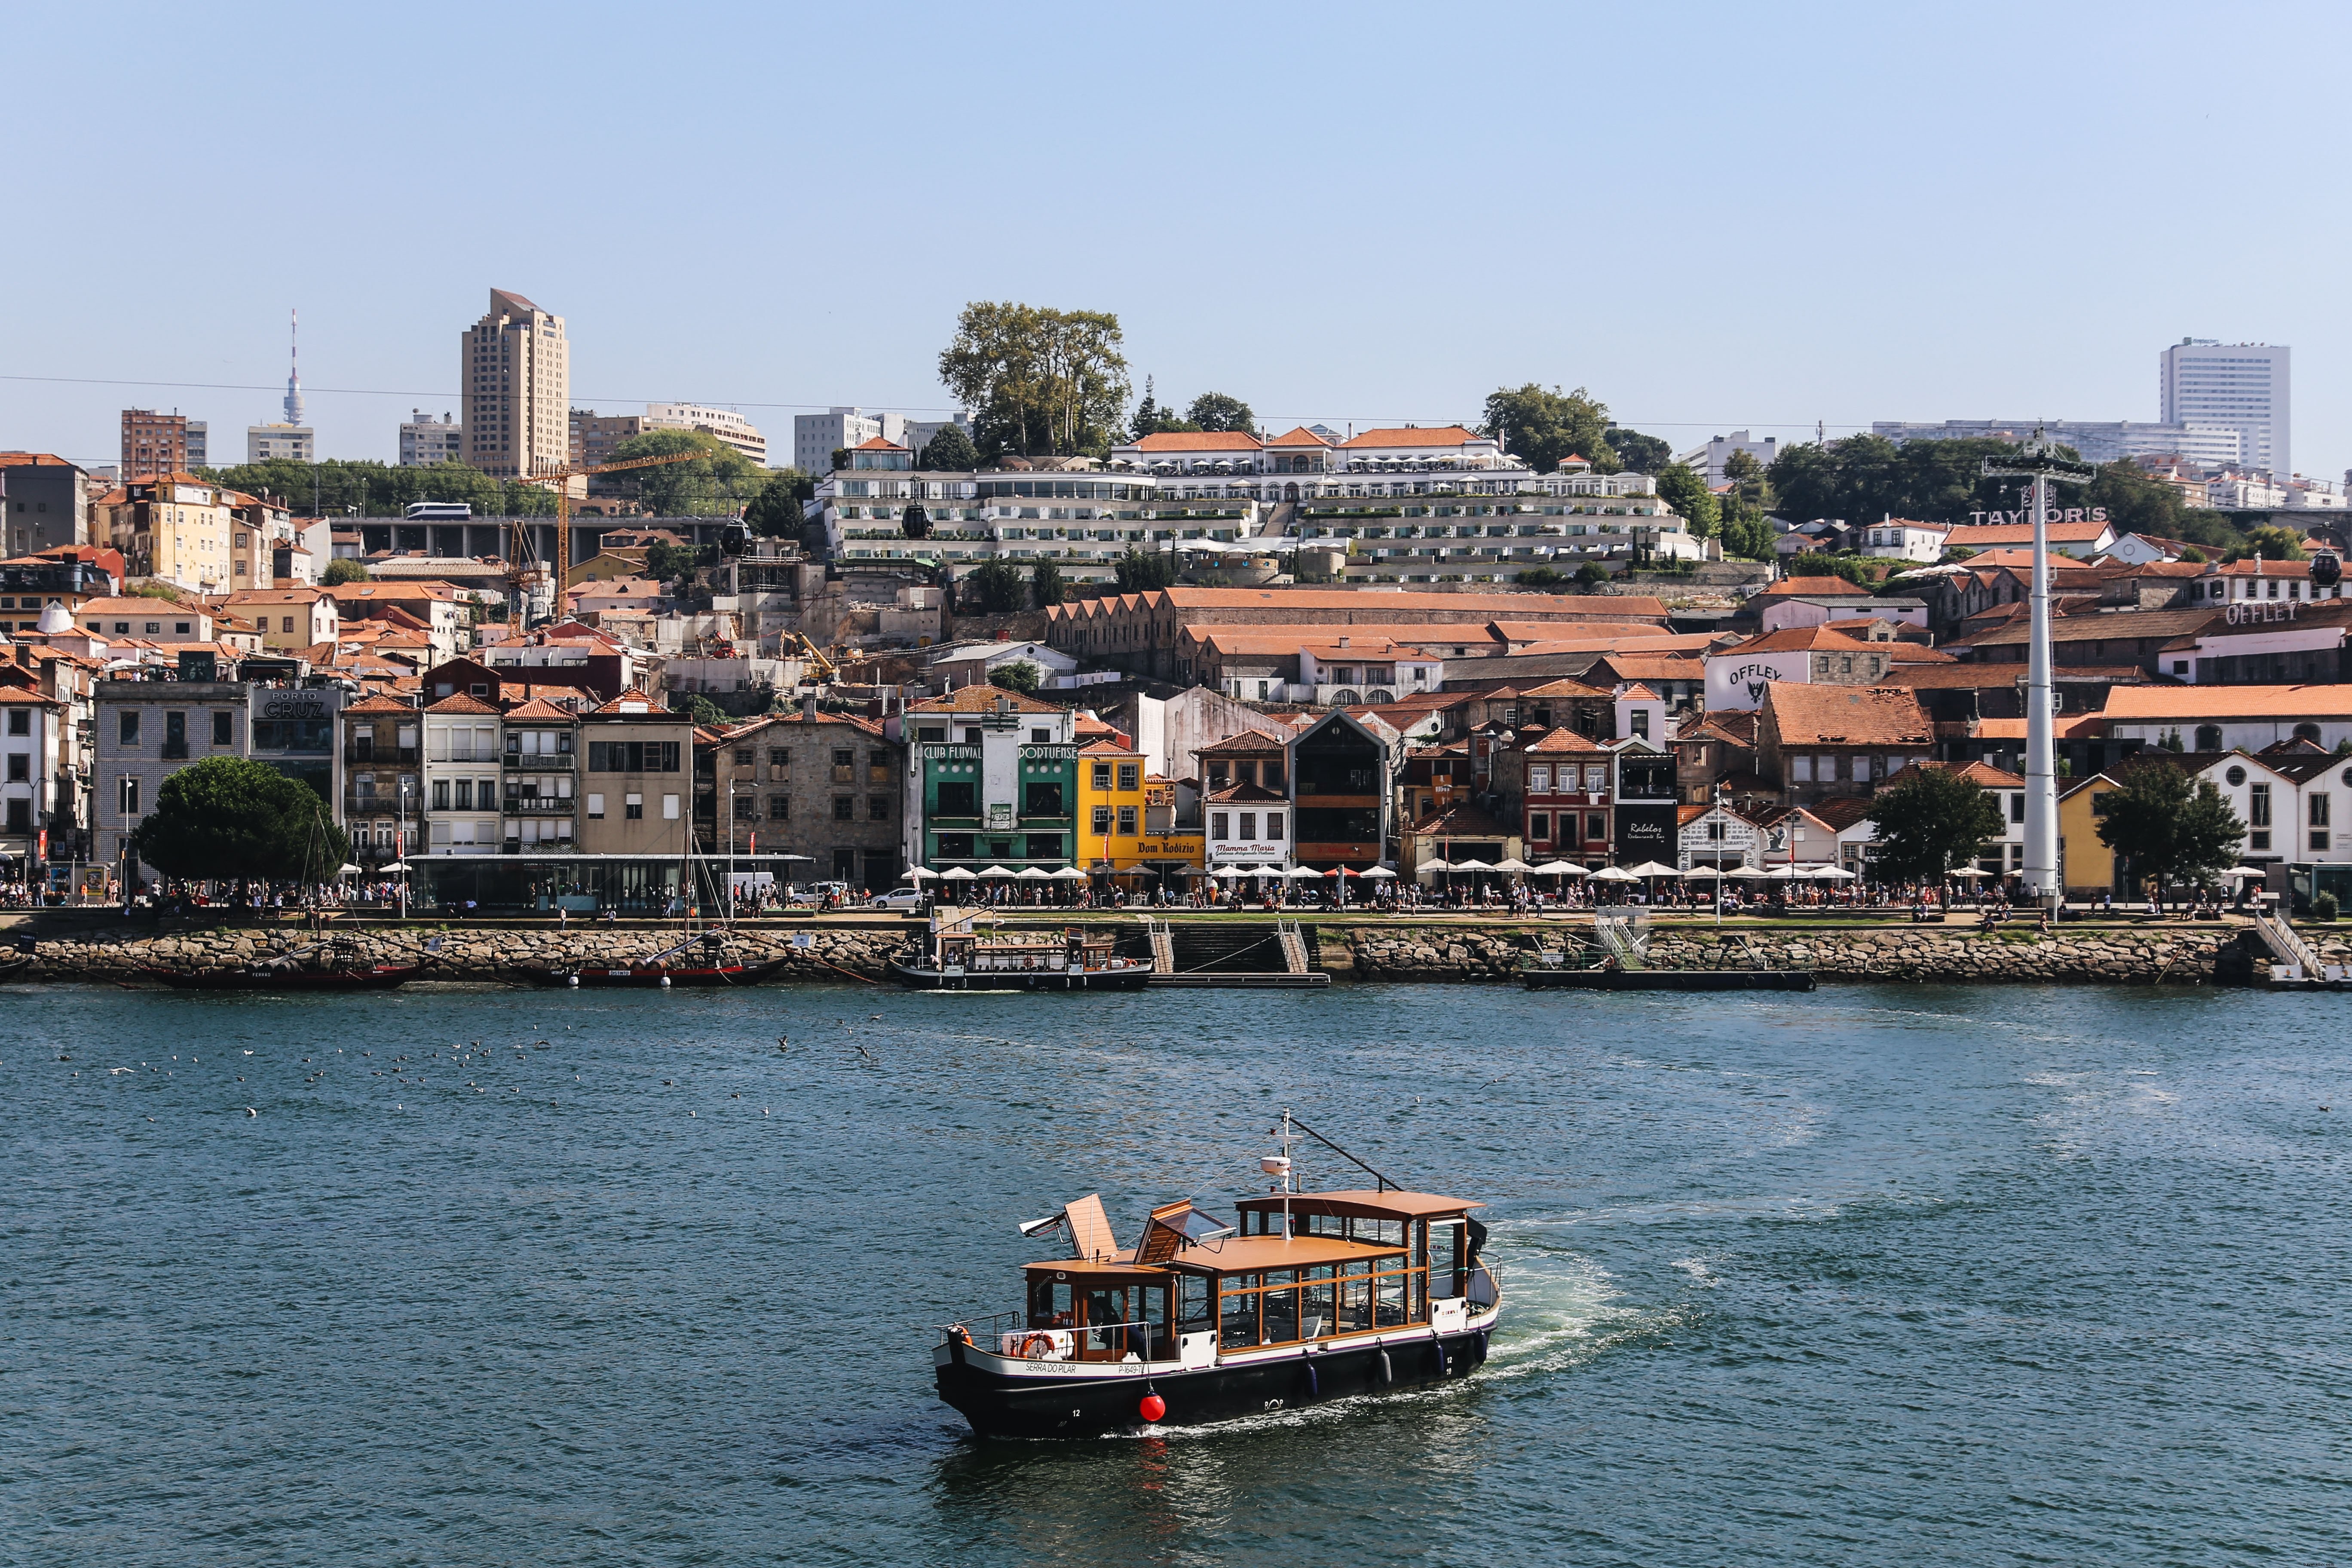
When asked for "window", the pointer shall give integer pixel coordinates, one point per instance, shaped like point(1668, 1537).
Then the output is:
point(1130, 775)
point(2319, 838)
point(878, 807)
point(1127, 821)
point(596, 807)
point(633, 807)
point(1802, 769)
point(1218, 824)
point(1102, 776)
point(1041, 737)
point(2209, 738)
point(844, 761)
point(1042, 799)
point(1539, 778)
point(779, 762)
point(1274, 826)
point(1044, 846)
point(744, 756)
point(1102, 820)
point(780, 807)
point(2258, 806)
point(669, 808)
point(957, 797)
point(465, 790)
point(1540, 826)
point(20, 767)
point(20, 720)
point(440, 794)
point(844, 808)
point(2319, 810)
point(128, 727)
point(1596, 826)
point(877, 767)
point(1248, 823)
point(934, 734)
point(2017, 807)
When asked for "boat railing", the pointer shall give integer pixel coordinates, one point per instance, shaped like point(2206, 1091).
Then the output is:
point(1012, 1335)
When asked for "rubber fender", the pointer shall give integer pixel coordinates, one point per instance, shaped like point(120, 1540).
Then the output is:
point(1314, 1384)
point(1478, 1348)
point(1387, 1372)
point(1434, 1357)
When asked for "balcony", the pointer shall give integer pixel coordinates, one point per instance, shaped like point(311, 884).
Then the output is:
point(538, 805)
point(375, 803)
point(562, 763)
point(366, 754)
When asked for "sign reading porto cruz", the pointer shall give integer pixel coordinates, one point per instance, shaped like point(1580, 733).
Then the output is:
point(295, 705)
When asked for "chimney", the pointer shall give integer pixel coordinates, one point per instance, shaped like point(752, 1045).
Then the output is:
point(808, 707)
point(1343, 642)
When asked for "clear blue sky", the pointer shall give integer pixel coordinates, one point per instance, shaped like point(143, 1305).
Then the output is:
point(1711, 216)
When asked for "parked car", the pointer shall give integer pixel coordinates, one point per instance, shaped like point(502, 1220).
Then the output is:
point(820, 893)
point(906, 899)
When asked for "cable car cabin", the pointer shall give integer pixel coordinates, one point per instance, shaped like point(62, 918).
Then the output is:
point(1352, 1263)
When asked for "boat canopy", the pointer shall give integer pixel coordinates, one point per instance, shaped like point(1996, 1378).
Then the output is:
point(1362, 1204)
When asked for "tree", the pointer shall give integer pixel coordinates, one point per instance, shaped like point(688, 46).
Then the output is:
point(665, 562)
point(1046, 584)
point(1016, 675)
point(344, 570)
point(994, 588)
point(1639, 454)
point(230, 818)
point(338, 486)
point(1546, 426)
point(2271, 543)
point(1139, 570)
point(1681, 488)
point(1151, 417)
point(1037, 380)
point(1931, 822)
point(2168, 826)
point(702, 711)
point(775, 512)
point(1590, 576)
point(950, 451)
point(1540, 578)
point(2137, 500)
point(1851, 568)
point(716, 483)
point(1218, 411)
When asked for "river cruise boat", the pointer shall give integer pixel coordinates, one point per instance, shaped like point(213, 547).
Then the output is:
point(1306, 1298)
point(955, 957)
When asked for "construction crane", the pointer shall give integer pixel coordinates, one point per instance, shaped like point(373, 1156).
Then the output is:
point(559, 478)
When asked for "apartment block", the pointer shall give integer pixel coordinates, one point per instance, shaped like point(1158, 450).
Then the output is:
point(293, 443)
point(816, 437)
point(515, 366)
point(156, 443)
point(724, 422)
point(2240, 386)
point(424, 440)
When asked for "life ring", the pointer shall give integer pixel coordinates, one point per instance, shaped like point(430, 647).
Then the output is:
point(959, 1333)
point(1037, 1347)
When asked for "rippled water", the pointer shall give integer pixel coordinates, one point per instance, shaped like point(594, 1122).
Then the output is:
point(1866, 1276)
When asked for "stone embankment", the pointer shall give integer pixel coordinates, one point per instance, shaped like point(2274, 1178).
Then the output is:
point(2099, 954)
point(462, 952)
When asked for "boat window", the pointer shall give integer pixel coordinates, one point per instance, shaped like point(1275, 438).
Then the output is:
point(1317, 1308)
point(1236, 1317)
point(1281, 1314)
point(1355, 1309)
point(1281, 1276)
point(1446, 1261)
point(1389, 1298)
point(1192, 1304)
point(1049, 1305)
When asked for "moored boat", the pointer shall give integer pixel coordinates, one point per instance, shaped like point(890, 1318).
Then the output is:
point(1307, 1298)
point(953, 957)
point(321, 966)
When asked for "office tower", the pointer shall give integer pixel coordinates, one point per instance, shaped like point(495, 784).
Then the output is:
point(516, 368)
point(424, 440)
point(2241, 386)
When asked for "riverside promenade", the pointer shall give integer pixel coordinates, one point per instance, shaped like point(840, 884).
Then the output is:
point(103, 946)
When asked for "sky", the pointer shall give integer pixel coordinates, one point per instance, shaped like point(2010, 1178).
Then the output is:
point(1711, 217)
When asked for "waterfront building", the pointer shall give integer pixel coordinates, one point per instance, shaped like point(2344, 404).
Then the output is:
point(1246, 793)
point(992, 780)
point(538, 779)
point(636, 780)
point(1560, 789)
point(1343, 773)
point(424, 440)
point(515, 366)
point(2217, 718)
point(1902, 539)
point(1819, 742)
point(1794, 835)
point(1736, 676)
point(1128, 819)
point(38, 793)
point(823, 787)
point(2244, 387)
point(1715, 836)
point(462, 755)
point(383, 801)
point(1460, 832)
point(44, 504)
point(724, 422)
point(175, 527)
point(1642, 811)
point(149, 728)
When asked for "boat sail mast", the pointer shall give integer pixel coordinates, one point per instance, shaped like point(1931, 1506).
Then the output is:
point(1280, 1167)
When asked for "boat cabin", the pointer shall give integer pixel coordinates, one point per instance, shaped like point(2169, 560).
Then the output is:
point(1298, 1269)
point(1073, 948)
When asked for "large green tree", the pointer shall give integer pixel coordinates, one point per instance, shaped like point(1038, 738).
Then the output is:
point(1140, 570)
point(1220, 411)
point(1046, 585)
point(2168, 826)
point(233, 819)
point(950, 451)
point(993, 588)
point(1020, 675)
point(1039, 382)
point(344, 570)
point(719, 481)
point(775, 512)
point(1683, 488)
point(1153, 417)
point(2271, 543)
point(1639, 453)
point(1931, 821)
point(1544, 427)
point(339, 488)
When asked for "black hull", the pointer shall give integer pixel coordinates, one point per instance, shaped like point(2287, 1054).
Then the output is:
point(1002, 1406)
point(1130, 979)
point(652, 978)
point(289, 980)
point(1668, 979)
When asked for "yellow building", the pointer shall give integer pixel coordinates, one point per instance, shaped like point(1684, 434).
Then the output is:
point(175, 528)
point(1126, 820)
point(2087, 868)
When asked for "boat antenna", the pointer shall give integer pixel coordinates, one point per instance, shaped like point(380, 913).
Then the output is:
point(1384, 1184)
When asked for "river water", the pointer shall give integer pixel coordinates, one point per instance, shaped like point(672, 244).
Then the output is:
point(1867, 1276)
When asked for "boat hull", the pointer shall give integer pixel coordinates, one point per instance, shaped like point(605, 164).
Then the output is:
point(1133, 978)
point(1095, 1400)
point(381, 979)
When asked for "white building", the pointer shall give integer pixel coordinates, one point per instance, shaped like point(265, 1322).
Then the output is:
point(2239, 386)
point(724, 422)
point(816, 437)
point(35, 789)
point(298, 442)
point(2203, 443)
point(462, 754)
point(1901, 539)
point(1715, 836)
point(199, 442)
point(919, 432)
point(424, 440)
point(1707, 459)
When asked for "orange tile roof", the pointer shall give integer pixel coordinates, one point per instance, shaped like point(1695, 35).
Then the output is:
point(1977, 535)
point(1434, 436)
point(538, 708)
point(462, 702)
point(1815, 585)
point(376, 704)
point(2127, 703)
point(1564, 739)
point(980, 700)
point(1199, 441)
point(1806, 715)
point(1298, 435)
point(876, 444)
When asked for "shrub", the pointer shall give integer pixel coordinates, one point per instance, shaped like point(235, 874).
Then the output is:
point(2323, 906)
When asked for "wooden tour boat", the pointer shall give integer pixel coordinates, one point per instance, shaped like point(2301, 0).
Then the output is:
point(320, 966)
point(1311, 1297)
point(956, 958)
point(673, 966)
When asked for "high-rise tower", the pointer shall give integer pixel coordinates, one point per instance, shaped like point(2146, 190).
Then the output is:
point(2245, 386)
point(516, 368)
point(294, 370)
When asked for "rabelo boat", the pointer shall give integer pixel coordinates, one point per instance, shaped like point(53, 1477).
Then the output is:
point(955, 957)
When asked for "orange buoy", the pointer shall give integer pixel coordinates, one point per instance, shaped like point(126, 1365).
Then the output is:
point(1153, 1407)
